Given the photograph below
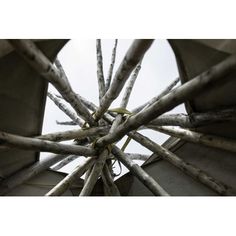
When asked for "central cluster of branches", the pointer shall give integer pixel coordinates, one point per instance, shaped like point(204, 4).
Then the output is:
point(102, 127)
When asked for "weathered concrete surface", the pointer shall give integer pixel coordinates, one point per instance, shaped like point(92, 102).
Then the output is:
point(22, 102)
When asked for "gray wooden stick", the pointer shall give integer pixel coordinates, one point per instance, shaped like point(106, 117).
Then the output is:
point(95, 173)
point(113, 58)
point(34, 56)
point(66, 110)
point(131, 59)
point(75, 134)
point(214, 141)
point(100, 76)
point(64, 184)
point(26, 143)
point(136, 170)
point(187, 168)
point(64, 162)
point(217, 74)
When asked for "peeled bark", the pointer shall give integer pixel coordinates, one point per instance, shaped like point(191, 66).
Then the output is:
point(216, 75)
point(132, 58)
point(100, 76)
point(64, 162)
point(91, 106)
point(136, 170)
point(110, 72)
point(195, 119)
point(66, 110)
point(130, 86)
point(34, 56)
point(137, 156)
point(187, 168)
point(63, 185)
point(26, 143)
point(214, 141)
point(75, 134)
point(95, 173)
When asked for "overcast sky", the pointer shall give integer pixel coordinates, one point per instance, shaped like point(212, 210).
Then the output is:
point(78, 58)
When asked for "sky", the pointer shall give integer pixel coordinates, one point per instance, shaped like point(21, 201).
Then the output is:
point(78, 59)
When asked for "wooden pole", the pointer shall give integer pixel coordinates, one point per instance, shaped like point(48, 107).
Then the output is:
point(72, 123)
point(26, 143)
point(75, 134)
point(215, 75)
point(131, 59)
point(110, 72)
point(34, 56)
point(137, 171)
point(64, 162)
point(187, 168)
point(214, 141)
point(100, 76)
point(195, 119)
point(137, 156)
point(95, 173)
point(64, 184)
point(66, 110)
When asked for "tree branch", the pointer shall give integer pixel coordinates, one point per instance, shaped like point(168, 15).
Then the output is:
point(136, 170)
point(187, 168)
point(66, 110)
point(214, 141)
point(190, 89)
point(26, 143)
point(95, 173)
point(132, 58)
point(100, 76)
point(34, 56)
point(75, 134)
point(64, 184)
point(64, 162)
point(113, 58)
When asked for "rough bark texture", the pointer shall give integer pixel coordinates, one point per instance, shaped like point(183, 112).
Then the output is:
point(110, 72)
point(64, 162)
point(217, 74)
point(100, 76)
point(137, 156)
point(130, 86)
point(63, 185)
point(34, 56)
point(75, 134)
point(204, 139)
point(137, 171)
point(195, 119)
point(187, 168)
point(95, 173)
point(132, 58)
point(26, 143)
point(66, 110)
